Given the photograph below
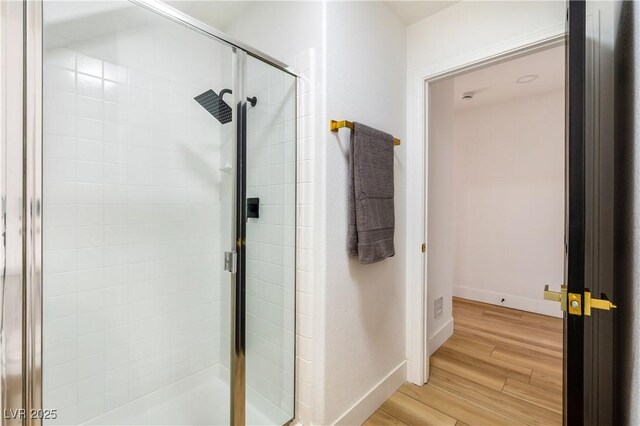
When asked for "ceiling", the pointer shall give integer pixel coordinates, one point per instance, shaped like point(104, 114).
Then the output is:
point(217, 13)
point(497, 83)
point(220, 14)
point(410, 12)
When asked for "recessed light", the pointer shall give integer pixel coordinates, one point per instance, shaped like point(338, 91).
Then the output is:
point(526, 78)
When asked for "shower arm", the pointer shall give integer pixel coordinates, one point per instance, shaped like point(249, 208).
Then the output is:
point(253, 101)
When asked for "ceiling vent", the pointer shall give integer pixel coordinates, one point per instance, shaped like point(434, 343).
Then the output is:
point(467, 96)
point(527, 78)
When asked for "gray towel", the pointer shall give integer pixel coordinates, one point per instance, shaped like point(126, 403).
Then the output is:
point(371, 216)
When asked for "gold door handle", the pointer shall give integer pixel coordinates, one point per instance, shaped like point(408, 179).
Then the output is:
point(576, 301)
point(591, 303)
point(557, 296)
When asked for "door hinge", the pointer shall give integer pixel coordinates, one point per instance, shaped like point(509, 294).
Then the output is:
point(230, 261)
point(574, 303)
point(424, 247)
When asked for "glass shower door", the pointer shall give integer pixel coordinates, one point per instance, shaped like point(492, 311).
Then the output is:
point(139, 179)
point(270, 244)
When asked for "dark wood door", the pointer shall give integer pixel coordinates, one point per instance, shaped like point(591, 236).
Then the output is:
point(575, 214)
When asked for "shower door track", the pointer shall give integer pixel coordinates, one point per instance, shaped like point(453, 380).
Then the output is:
point(29, 314)
point(161, 8)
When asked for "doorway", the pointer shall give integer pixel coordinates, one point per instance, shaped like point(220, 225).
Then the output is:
point(496, 187)
point(495, 225)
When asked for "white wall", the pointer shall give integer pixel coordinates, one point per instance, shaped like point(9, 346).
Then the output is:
point(365, 304)
point(509, 201)
point(473, 26)
point(441, 208)
point(281, 29)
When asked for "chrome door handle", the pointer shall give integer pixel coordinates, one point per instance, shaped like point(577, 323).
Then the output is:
point(230, 261)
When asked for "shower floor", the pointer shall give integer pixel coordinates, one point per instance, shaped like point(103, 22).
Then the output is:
point(200, 399)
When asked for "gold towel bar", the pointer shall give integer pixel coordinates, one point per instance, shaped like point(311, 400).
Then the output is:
point(335, 125)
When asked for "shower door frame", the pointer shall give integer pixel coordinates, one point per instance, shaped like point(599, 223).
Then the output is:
point(29, 314)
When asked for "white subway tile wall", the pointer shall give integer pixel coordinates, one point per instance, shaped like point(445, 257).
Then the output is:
point(303, 63)
point(271, 177)
point(138, 181)
point(132, 234)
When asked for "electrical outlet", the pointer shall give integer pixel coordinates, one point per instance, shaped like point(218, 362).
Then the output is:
point(437, 307)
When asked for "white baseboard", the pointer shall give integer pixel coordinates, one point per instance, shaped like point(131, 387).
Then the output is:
point(365, 407)
point(538, 306)
point(440, 336)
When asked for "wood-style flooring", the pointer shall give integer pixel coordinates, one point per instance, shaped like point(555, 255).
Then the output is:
point(500, 367)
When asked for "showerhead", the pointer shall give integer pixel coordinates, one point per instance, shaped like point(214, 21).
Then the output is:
point(217, 106)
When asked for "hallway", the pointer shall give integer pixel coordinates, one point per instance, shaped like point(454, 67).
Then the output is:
point(501, 367)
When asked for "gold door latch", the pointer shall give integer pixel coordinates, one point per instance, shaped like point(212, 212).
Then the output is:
point(590, 303)
point(557, 296)
point(574, 301)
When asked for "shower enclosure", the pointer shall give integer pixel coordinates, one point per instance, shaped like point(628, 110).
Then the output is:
point(148, 184)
